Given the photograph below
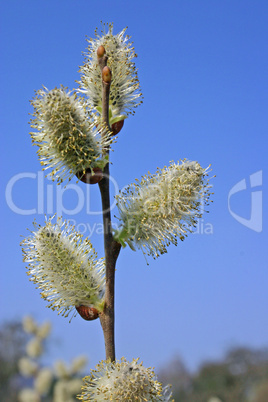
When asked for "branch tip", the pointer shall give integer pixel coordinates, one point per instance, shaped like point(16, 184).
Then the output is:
point(101, 51)
point(106, 74)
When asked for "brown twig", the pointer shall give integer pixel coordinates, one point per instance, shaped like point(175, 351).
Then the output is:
point(111, 247)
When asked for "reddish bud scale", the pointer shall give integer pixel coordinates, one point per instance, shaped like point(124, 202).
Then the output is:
point(100, 51)
point(89, 178)
point(117, 127)
point(106, 74)
point(88, 313)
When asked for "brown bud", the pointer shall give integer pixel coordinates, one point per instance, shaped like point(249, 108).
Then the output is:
point(88, 313)
point(106, 74)
point(117, 127)
point(90, 178)
point(101, 51)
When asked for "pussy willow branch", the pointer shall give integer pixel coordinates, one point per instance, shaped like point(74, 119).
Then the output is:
point(111, 247)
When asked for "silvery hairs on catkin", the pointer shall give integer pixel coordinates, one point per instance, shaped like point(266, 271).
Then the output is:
point(65, 267)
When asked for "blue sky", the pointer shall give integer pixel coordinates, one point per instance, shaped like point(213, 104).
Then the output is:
point(203, 73)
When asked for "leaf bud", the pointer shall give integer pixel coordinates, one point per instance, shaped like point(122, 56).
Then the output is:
point(88, 313)
point(117, 127)
point(90, 178)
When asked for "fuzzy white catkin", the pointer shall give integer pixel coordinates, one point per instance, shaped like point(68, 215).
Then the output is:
point(43, 381)
point(67, 139)
point(162, 207)
point(61, 392)
point(65, 267)
point(27, 367)
point(61, 370)
point(125, 93)
point(44, 330)
point(29, 325)
point(34, 347)
point(74, 386)
point(123, 381)
point(29, 395)
point(78, 364)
